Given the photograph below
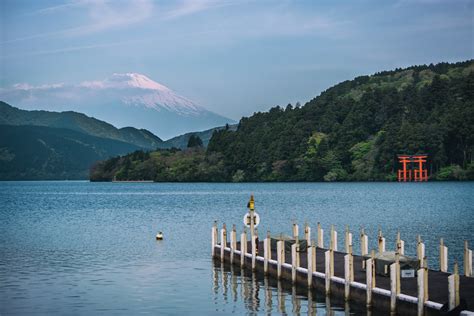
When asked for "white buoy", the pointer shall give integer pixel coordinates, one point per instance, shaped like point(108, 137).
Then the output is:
point(159, 236)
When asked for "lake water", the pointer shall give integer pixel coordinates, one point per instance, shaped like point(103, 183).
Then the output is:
point(82, 248)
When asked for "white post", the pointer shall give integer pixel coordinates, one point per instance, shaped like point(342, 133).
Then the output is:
point(368, 275)
point(394, 285)
point(295, 260)
point(328, 270)
point(400, 245)
point(267, 252)
point(233, 243)
point(381, 241)
point(280, 256)
point(254, 248)
point(213, 239)
point(311, 263)
point(348, 273)
point(223, 241)
point(243, 248)
point(467, 260)
point(421, 290)
point(364, 244)
point(320, 236)
point(307, 234)
point(443, 256)
point(333, 245)
point(348, 239)
point(295, 231)
point(420, 250)
point(453, 283)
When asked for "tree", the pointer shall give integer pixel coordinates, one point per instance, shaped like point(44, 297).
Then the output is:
point(194, 141)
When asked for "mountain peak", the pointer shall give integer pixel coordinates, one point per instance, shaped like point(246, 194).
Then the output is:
point(136, 80)
point(124, 99)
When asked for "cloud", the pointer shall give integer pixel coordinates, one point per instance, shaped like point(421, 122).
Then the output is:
point(189, 7)
point(56, 8)
point(27, 87)
point(100, 15)
point(69, 49)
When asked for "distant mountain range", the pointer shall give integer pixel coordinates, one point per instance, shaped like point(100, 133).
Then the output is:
point(43, 153)
point(79, 122)
point(64, 145)
point(129, 99)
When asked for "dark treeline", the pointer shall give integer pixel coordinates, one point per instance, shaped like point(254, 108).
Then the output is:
point(351, 132)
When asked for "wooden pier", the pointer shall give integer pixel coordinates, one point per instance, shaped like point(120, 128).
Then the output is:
point(385, 285)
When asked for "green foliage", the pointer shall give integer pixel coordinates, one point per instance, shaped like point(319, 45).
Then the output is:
point(452, 172)
point(78, 122)
point(194, 141)
point(336, 174)
point(43, 153)
point(352, 131)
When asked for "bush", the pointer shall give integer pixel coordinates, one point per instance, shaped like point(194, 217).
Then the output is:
point(337, 174)
point(452, 172)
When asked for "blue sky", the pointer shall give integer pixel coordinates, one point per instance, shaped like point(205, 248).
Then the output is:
point(233, 57)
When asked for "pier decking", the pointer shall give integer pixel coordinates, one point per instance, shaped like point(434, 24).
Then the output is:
point(352, 276)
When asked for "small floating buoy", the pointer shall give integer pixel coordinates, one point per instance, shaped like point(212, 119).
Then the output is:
point(159, 236)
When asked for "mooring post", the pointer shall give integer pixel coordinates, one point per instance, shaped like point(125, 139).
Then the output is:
point(397, 262)
point(267, 252)
point(422, 285)
point(420, 250)
point(233, 243)
point(214, 239)
point(467, 260)
point(348, 273)
point(333, 238)
point(223, 241)
point(320, 236)
point(400, 246)
point(280, 256)
point(443, 256)
point(372, 255)
point(307, 234)
point(311, 263)
point(348, 239)
point(393, 287)
point(254, 248)
point(369, 267)
point(364, 243)
point(394, 282)
point(295, 231)
point(243, 247)
point(453, 283)
point(381, 241)
point(328, 272)
point(294, 260)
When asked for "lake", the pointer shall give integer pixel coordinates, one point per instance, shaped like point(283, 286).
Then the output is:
point(83, 248)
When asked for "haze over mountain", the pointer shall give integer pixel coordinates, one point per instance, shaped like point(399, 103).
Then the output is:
point(128, 99)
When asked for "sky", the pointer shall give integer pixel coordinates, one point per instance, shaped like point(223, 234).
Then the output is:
point(232, 57)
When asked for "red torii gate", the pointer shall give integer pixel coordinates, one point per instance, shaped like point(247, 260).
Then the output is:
point(410, 172)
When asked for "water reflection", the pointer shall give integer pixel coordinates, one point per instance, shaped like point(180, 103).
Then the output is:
point(261, 295)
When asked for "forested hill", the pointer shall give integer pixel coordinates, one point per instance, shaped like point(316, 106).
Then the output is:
point(352, 131)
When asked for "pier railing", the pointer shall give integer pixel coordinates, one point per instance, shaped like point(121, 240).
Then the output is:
point(357, 277)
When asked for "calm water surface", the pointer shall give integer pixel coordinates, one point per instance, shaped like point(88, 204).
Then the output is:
point(81, 248)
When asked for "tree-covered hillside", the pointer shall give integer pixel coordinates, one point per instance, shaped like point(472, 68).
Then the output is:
point(43, 153)
point(352, 131)
point(79, 122)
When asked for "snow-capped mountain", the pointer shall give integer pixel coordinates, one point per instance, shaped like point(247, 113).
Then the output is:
point(128, 99)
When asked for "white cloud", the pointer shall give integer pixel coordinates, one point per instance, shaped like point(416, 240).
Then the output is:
point(189, 7)
point(100, 15)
